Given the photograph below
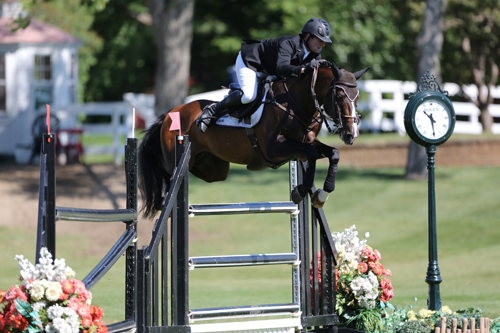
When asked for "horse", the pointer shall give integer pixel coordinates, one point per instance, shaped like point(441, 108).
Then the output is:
point(291, 119)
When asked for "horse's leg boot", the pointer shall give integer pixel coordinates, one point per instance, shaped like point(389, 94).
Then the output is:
point(298, 193)
point(217, 110)
point(319, 198)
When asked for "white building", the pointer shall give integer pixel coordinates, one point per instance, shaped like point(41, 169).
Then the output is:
point(38, 66)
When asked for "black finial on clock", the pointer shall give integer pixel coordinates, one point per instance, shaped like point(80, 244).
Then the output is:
point(428, 82)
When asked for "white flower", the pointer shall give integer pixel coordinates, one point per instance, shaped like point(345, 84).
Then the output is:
point(55, 311)
point(53, 293)
point(36, 292)
point(38, 306)
point(367, 234)
point(69, 273)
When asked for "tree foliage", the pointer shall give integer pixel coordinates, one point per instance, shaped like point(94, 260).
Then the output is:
point(126, 62)
point(472, 49)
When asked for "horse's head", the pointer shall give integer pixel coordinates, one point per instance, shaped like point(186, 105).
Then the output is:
point(340, 102)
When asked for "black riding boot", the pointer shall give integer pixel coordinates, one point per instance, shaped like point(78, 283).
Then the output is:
point(217, 110)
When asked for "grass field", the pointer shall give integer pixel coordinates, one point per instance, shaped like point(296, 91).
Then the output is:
point(379, 201)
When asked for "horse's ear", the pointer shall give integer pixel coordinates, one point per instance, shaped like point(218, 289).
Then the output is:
point(357, 75)
point(336, 71)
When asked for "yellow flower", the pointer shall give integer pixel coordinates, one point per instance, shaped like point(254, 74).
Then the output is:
point(411, 315)
point(446, 309)
point(424, 313)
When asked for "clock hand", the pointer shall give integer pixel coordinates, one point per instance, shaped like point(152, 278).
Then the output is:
point(432, 123)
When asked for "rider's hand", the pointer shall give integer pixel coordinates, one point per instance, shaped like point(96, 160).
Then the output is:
point(309, 67)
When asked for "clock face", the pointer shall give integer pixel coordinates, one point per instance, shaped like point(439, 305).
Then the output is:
point(432, 119)
point(429, 118)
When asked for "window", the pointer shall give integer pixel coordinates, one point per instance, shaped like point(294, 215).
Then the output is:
point(3, 95)
point(43, 81)
point(43, 70)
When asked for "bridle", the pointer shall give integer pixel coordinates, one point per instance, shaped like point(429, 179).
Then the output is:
point(322, 116)
point(337, 120)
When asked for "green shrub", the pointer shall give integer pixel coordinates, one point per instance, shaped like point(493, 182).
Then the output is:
point(414, 326)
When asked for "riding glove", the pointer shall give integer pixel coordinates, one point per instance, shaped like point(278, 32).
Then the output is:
point(309, 67)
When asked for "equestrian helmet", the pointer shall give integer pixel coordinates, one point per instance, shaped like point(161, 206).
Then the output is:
point(319, 28)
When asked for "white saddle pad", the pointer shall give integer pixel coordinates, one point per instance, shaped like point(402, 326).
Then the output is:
point(229, 121)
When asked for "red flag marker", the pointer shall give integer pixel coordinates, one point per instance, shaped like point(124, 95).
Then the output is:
point(48, 119)
point(176, 123)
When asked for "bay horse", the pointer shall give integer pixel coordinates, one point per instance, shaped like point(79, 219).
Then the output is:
point(288, 128)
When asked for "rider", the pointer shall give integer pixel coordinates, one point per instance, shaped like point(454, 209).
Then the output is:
point(282, 56)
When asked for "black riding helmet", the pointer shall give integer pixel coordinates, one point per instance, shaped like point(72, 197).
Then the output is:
point(319, 28)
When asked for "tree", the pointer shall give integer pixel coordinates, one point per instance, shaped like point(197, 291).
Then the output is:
point(429, 43)
point(172, 24)
point(472, 44)
point(126, 62)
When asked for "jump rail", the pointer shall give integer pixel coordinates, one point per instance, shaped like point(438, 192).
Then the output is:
point(313, 303)
point(48, 213)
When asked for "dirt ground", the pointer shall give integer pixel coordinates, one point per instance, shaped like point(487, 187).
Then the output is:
point(80, 186)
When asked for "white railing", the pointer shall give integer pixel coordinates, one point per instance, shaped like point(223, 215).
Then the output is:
point(386, 104)
point(120, 124)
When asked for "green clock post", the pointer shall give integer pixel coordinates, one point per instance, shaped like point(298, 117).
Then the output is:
point(429, 121)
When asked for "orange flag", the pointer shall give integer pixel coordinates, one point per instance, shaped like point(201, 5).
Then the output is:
point(176, 122)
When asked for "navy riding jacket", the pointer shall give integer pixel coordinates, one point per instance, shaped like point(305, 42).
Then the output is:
point(282, 56)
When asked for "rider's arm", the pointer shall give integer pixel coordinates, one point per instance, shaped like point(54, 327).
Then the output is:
point(283, 65)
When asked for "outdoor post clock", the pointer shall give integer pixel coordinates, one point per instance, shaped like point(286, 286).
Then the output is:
point(429, 115)
point(429, 121)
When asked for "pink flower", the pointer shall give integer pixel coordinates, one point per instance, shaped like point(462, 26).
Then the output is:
point(79, 286)
point(385, 283)
point(362, 267)
point(67, 287)
point(84, 295)
point(377, 254)
point(387, 272)
point(86, 321)
point(14, 293)
point(84, 311)
point(376, 267)
point(74, 303)
point(367, 251)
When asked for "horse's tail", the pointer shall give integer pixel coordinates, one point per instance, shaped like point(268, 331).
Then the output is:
point(151, 170)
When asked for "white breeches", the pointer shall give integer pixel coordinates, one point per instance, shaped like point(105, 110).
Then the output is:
point(247, 79)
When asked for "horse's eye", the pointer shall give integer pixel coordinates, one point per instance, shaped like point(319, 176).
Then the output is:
point(340, 97)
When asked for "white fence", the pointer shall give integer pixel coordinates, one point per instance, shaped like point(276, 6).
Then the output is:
point(119, 125)
point(386, 104)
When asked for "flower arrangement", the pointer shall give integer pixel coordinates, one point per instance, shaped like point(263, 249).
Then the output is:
point(49, 299)
point(363, 289)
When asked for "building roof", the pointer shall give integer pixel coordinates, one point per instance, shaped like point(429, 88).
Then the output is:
point(36, 33)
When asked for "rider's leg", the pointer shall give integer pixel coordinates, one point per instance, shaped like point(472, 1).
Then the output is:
point(247, 79)
point(217, 110)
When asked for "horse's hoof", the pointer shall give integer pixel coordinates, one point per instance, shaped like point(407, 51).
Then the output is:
point(318, 198)
point(296, 197)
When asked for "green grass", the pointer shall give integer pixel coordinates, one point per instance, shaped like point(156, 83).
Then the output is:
point(379, 201)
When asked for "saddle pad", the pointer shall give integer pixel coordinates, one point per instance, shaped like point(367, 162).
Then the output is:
point(229, 121)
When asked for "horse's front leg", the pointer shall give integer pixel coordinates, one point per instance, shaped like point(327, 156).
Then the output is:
point(288, 149)
point(319, 197)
